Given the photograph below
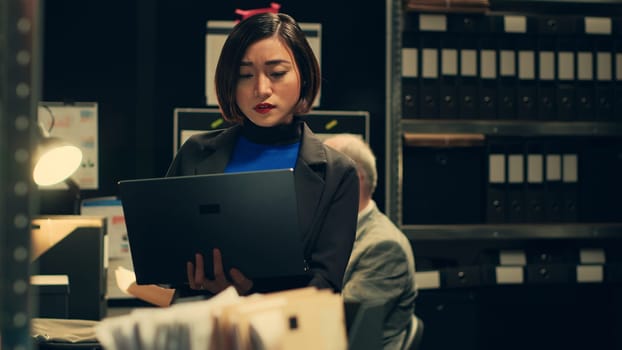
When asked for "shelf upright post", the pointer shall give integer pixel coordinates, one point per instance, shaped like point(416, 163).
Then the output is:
point(393, 113)
point(19, 95)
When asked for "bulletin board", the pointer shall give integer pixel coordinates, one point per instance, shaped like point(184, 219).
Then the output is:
point(217, 32)
point(75, 123)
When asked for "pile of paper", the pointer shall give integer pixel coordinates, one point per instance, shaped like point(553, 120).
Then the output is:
point(298, 319)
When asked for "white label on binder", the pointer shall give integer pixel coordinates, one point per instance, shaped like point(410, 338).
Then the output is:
point(496, 168)
point(428, 279)
point(534, 168)
point(603, 66)
point(508, 63)
point(512, 257)
point(436, 23)
point(592, 256)
point(547, 65)
point(589, 273)
point(570, 171)
point(509, 274)
point(468, 63)
point(449, 62)
point(597, 25)
point(516, 168)
point(410, 62)
point(619, 66)
point(565, 65)
point(56, 280)
point(526, 65)
point(515, 24)
point(585, 65)
point(430, 63)
point(553, 167)
point(488, 64)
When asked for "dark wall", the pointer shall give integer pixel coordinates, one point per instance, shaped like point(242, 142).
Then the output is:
point(141, 59)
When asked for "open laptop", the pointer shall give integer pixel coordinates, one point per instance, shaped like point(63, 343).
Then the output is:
point(252, 217)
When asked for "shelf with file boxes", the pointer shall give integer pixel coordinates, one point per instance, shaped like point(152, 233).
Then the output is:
point(483, 255)
point(475, 263)
point(499, 66)
point(473, 179)
point(499, 254)
point(537, 263)
point(469, 195)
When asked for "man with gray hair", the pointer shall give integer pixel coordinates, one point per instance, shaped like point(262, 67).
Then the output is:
point(382, 264)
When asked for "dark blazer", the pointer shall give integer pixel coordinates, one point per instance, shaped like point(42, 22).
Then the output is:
point(326, 188)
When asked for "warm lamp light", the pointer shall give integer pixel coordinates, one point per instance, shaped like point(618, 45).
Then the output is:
point(55, 159)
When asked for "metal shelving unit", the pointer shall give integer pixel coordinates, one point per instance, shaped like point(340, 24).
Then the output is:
point(396, 127)
point(460, 269)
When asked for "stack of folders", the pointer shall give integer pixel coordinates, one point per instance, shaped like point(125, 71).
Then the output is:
point(532, 180)
point(473, 66)
point(304, 318)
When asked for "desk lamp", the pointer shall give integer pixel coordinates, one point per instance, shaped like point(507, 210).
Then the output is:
point(55, 160)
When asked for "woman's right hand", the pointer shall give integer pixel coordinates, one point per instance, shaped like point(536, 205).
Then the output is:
point(198, 281)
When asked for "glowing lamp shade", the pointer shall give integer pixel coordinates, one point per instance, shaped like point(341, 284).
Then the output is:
point(55, 161)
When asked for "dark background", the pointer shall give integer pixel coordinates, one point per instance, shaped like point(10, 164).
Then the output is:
point(140, 59)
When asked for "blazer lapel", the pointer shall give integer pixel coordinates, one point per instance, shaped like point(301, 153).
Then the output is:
point(219, 151)
point(310, 179)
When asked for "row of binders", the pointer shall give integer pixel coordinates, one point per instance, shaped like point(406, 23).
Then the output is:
point(511, 179)
point(532, 181)
point(512, 67)
point(551, 24)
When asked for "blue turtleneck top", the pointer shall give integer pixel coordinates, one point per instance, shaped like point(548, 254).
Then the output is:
point(265, 148)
